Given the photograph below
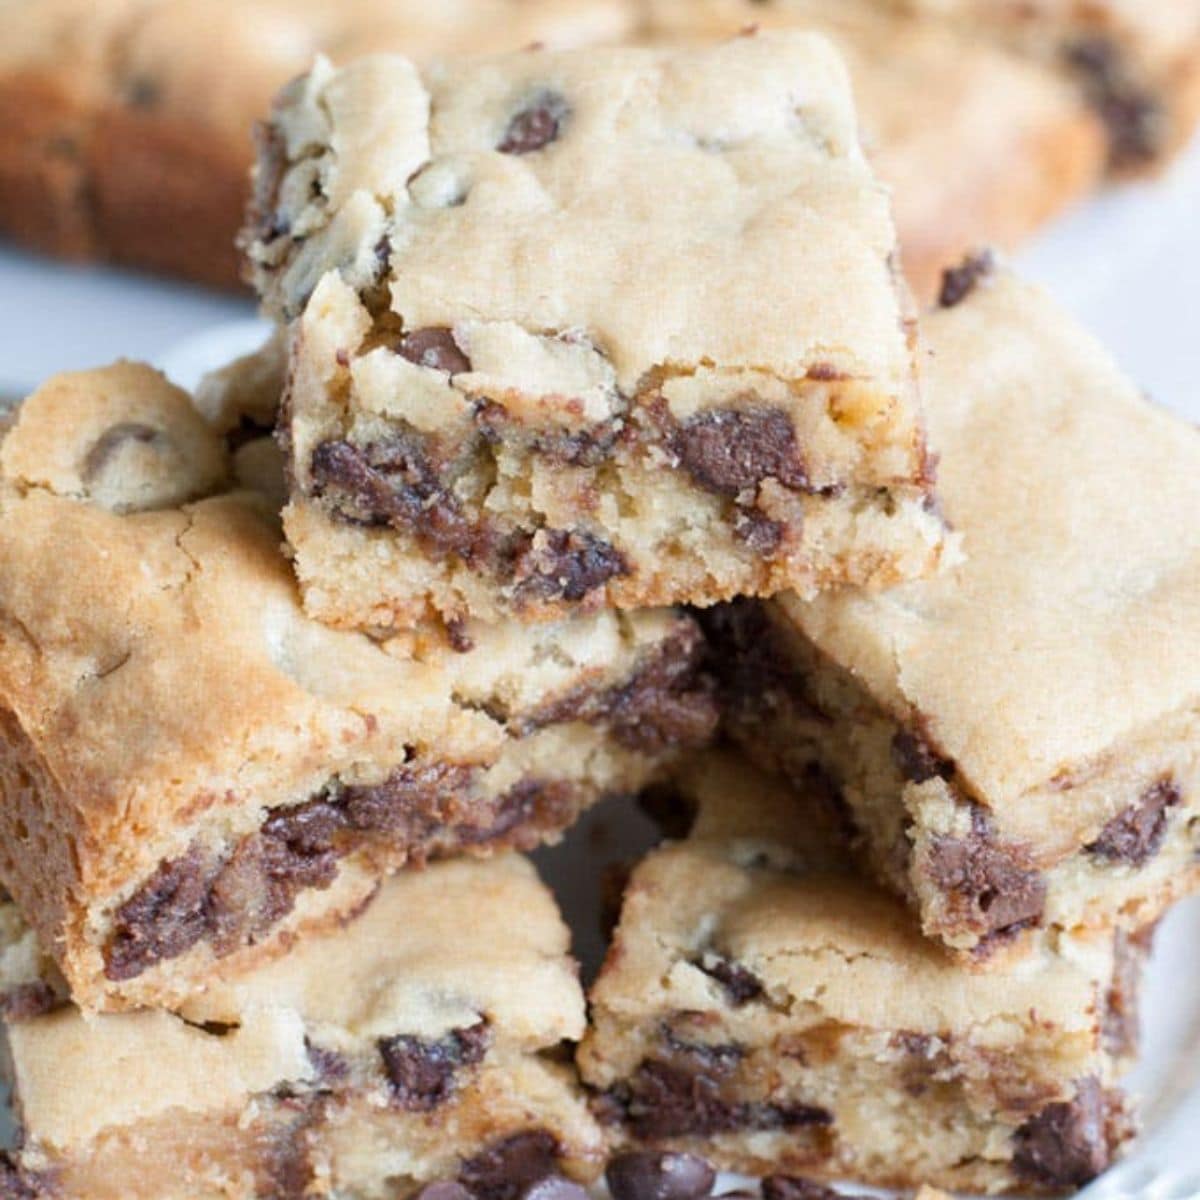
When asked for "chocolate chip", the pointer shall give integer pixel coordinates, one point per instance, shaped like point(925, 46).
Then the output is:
point(434, 347)
point(985, 886)
point(538, 123)
point(443, 1189)
point(1066, 1145)
point(1133, 116)
point(740, 984)
point(959, 282)
point(506, 1168)
point(916, 758)
point(114, 438)
point(731, 451)
point(555, 1187)
point(758, 532)
point(330, 1066)
point(662, 1100)
point(164, 918)
point(668, 702)
point(143, 92)
point(1135, 836)
point(422, 1073)
point(461, 642)
point(566, 565)
point(396, 483)
point(659, 1175)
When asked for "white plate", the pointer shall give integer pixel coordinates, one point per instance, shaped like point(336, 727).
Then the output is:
point(1128, 264)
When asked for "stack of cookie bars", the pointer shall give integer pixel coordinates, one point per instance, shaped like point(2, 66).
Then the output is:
point(603, 423)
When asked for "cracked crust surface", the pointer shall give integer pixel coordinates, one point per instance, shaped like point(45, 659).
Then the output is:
point(428, 1035)
point(764, 1006)
point(194, 771)
point(470, 437)
point(127, 121)
point(979, 147)
point(1026, 724)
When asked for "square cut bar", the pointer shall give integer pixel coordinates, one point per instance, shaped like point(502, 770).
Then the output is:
point(587, 329)
point(767, 1008)
point(193, 771)
point(979, 146)
point(1136, 65)
point(1017, 742)
point(124, 123)
point(368, 1061)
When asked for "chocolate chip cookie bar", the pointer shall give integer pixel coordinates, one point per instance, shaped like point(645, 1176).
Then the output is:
point(565, 336)
point(766, 1008)
point(368, 1061)
point(125, 124)
point(1017, 742)
point(979, 146)
point(1136, 66)
point(193, 772)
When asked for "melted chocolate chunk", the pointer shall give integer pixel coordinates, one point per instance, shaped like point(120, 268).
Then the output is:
point(434, 347)
point(1133, 837)
point(505, 1169)
point(988, 890)
point(561, 564)
point(659, 1175)
point(164, 918)
point(731, 452)
point(422, 1073)
point(959, 282)
point(662, 1100)
point(1066, 1145)
point(396, 483)
point(753, 665)
point(668, 702)
point(238, 899)
point(1132, 115)
point(916, 759)
point(28, 1000)
point(538, 123)
point(534, 804)
point(740, 984)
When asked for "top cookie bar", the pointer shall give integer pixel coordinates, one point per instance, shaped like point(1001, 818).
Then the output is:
point(1017, 741)
point(585, 329)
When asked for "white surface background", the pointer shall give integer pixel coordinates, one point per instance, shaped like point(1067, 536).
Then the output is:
point(1128, 264)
